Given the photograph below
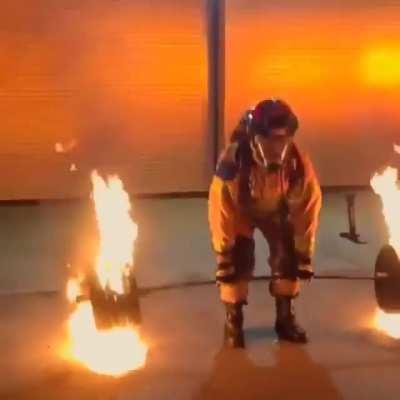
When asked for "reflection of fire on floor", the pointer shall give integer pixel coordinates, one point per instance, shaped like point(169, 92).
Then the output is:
point(116, 348)
point(388, 323)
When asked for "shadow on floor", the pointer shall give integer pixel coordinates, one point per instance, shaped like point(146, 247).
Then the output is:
point(294, 375)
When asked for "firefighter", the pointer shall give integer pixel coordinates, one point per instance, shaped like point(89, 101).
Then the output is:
point(264, 181)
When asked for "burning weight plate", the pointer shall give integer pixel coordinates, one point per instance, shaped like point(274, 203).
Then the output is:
point(387, 280)
point(112, 309)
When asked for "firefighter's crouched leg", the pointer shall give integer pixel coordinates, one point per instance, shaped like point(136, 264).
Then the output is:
point(234, 296)
point(233, 328)
point(284, 287)
point(234, 293)
point(286, 326)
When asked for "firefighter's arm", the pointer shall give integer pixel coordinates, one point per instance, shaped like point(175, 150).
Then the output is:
point(221, 213)
point(304, 207)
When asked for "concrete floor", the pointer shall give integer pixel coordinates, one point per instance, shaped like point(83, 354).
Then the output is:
point(346, 359)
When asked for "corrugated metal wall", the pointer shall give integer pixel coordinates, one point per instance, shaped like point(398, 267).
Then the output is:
point(123, 83)
point(337, 63)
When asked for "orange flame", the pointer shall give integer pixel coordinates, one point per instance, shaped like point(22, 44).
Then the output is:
point(388, 323)
point(118, 350)
point(65, 147)
point(73, 290)
point(386, 186)
point(112, 352)
point(117, 231)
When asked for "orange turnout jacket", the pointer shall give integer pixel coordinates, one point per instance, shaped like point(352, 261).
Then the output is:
point(294, 185)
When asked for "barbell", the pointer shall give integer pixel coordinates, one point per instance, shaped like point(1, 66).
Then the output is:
point(110, 308)
point(386, 280)
point(387, 265)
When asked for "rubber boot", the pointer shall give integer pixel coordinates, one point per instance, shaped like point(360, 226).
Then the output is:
point(286, 326)
point(233, 333)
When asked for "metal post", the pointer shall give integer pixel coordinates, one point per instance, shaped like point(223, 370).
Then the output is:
point(216, 73)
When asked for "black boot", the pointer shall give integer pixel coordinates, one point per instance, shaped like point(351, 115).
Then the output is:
point(233, 336)
point(286, 326)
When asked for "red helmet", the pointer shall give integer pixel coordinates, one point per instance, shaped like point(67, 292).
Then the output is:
point(270, 114)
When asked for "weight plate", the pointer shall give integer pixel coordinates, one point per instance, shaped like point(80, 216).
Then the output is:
point(387, 280)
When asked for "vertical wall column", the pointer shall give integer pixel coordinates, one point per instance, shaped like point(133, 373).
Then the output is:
point(216, 73)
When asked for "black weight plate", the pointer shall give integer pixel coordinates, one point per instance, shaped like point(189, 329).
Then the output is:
point(387, 280)
point(111, 309)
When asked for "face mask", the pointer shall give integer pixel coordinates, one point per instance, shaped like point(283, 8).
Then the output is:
point(261, 159)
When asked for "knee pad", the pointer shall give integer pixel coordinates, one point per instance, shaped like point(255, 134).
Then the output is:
point(235, 292)
point(243, 256)
point(284, 287)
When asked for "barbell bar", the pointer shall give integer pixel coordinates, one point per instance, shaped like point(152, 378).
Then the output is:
point(109, 309)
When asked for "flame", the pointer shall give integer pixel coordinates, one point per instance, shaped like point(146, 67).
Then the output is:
point(388, 323)
point(73, 290)
point(386, 186)
point(117, 231)
point(118, 350)
point(112, 352)
point(65, 147)
point(59, 148)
